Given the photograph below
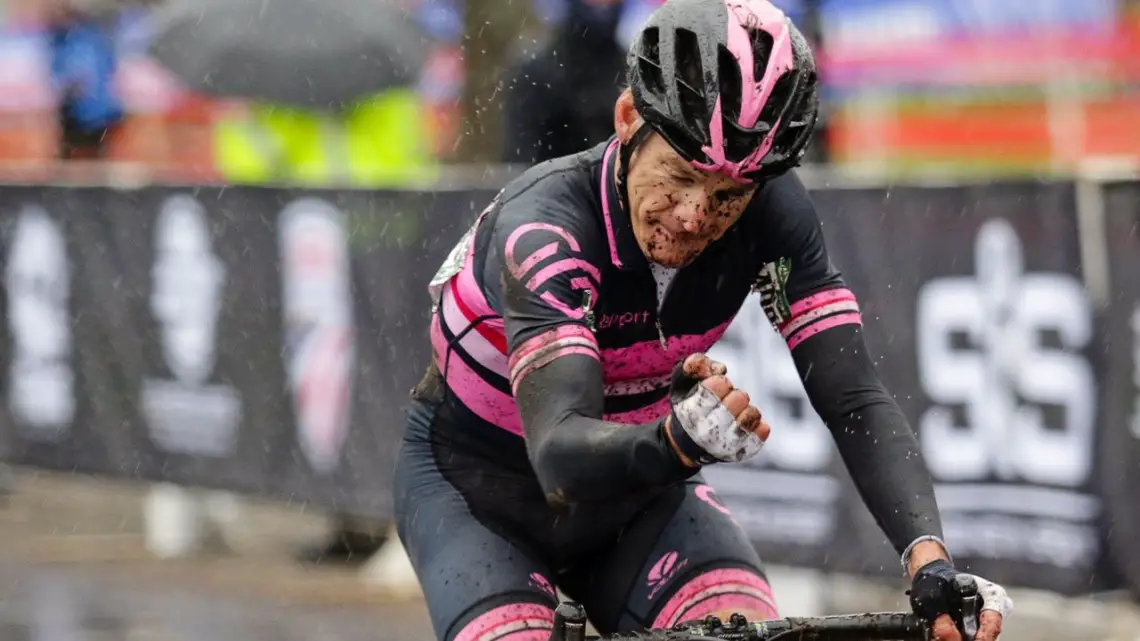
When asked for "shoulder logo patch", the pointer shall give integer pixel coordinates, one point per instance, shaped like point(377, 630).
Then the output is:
point(771, 284)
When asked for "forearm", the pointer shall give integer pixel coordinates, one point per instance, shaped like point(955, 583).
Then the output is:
point(876, 442)
point(577, 456)
point(882, 455)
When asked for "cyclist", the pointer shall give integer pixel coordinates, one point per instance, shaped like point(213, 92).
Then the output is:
point(558, 436)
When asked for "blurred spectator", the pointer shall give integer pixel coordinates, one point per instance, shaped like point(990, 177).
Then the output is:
point(381, 141)
point(561, 100)
point(83, 66)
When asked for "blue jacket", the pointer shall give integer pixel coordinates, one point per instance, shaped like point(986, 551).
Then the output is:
point(83, 64)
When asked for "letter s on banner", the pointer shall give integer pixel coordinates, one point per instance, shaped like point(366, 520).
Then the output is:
point(37, 279)
point(1006, 375)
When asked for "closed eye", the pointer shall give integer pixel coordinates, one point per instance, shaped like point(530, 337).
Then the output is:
point(733, 193)
point(684, 179)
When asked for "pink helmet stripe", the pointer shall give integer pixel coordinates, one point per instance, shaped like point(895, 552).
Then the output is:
point(715, 151)
point(742, 16)
point(740, 46)
point(758, 15)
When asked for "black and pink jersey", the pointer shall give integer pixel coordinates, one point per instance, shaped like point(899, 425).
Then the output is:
point(560, 231)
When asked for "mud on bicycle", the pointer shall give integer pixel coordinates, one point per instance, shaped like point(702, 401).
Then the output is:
point(570, 625)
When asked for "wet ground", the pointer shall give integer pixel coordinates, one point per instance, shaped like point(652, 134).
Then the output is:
point(73, 568)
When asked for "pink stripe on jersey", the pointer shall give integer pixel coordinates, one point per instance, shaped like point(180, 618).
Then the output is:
point(466, 286)
point(562, 266)
point(793, 325)
point(546, 251)
point(562, 307)
point(516, 269)
point(822, 298)
point(546, 358)
point(545, 348)
point(819, 312)
point(545, 339)
point(719, 592)
point(516, 621)
point(606, 167)
point(482, 398)
point(645, 359)
point(822, 325)
point(474, 342)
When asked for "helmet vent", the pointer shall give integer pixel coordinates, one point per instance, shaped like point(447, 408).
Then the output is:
point(762, 45)
point(649, 62)
point(792, 136)
point(730, 90)
point(691, 80)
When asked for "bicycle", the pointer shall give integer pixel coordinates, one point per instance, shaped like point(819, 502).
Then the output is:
point(570, 625)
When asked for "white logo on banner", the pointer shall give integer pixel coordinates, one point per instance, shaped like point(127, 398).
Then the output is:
point(1135, 423)
point(786, 494)
point(320, 339)
point(188, 415)
point(41, 383)
point(1015, 402)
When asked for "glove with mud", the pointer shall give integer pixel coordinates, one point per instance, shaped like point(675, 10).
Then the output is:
point(711, 421)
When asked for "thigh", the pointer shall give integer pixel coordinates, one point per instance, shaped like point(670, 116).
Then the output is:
point(479, 583)
point(682, 558)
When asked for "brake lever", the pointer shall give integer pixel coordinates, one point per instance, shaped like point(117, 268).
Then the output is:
point(970, 609)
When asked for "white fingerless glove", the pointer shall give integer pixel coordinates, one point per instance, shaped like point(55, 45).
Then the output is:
point(703, 429)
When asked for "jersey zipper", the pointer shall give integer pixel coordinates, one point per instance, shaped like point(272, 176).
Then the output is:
point(660, 307)
point(661, 334)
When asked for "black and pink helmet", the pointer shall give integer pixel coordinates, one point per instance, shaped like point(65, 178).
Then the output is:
point(730, 84)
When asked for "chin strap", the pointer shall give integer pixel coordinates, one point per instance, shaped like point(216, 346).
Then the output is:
point(625, 153)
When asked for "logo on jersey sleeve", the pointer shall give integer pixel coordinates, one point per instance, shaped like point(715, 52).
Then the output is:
point(772, 285)
point(543, 277)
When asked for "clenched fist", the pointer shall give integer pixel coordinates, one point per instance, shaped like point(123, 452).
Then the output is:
point(712, 421)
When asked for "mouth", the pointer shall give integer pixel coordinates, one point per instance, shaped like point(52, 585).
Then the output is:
point(671, 251)
point(682, 238)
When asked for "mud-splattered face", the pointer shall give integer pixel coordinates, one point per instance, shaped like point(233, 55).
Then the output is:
point(677, 210)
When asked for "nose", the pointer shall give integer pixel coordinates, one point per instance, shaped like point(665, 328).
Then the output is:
point(691, 210)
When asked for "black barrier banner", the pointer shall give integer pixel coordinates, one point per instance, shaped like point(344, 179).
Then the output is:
point(1120, 395)
point(144, 312)
point(265, 340)
point(250, 339)
point(973, 303)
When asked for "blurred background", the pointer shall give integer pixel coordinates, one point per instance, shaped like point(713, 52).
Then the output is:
point(1005, 88)
point(218, 219)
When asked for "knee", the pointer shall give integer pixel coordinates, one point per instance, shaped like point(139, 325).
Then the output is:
point(508, 622)
point(721, 593)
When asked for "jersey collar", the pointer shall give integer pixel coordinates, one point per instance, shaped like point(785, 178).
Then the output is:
point(624, 250)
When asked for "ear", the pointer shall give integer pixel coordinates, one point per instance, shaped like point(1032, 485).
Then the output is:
point(626, 119)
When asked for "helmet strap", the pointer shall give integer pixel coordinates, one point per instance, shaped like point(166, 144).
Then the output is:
point(625, 153)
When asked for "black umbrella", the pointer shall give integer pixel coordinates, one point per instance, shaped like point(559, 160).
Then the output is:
point(308, 53)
